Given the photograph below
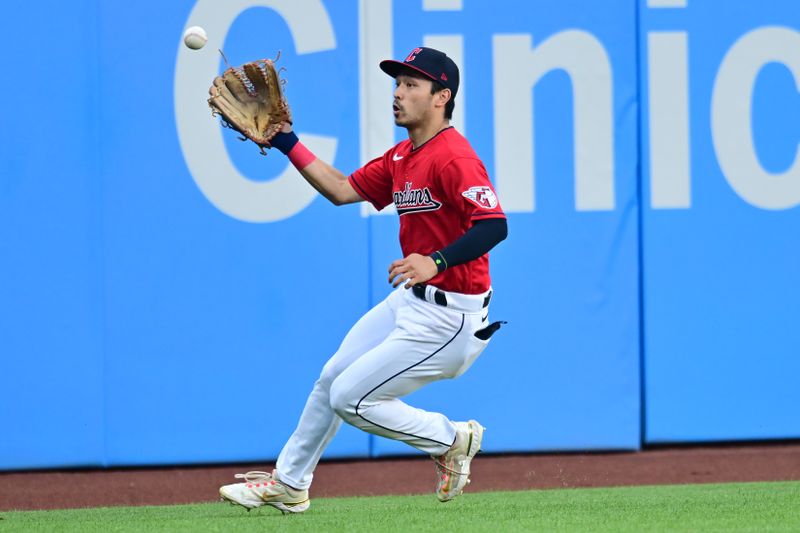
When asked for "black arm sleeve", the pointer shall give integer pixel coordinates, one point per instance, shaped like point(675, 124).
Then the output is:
point(479, 239)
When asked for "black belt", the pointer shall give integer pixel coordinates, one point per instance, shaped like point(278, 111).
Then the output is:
point(439, 297)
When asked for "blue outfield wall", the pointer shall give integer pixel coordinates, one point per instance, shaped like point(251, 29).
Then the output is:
point(169, 296)
point(721, 226)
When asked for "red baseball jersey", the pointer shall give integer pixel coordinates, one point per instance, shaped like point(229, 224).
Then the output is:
point(439, 189)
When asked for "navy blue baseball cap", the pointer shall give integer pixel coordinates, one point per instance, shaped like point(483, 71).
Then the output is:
point(429, 62)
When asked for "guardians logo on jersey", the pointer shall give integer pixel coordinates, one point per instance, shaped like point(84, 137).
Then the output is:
point(414, 200)
point(482, 196)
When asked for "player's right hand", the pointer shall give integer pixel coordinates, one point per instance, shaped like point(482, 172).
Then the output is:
point(413, 269)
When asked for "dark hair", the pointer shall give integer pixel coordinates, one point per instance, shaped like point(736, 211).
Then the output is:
point(450, 105)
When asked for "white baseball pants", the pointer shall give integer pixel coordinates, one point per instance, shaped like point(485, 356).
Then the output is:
point(400, 345)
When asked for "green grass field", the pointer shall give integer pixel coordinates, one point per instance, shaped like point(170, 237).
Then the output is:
point(756, 507)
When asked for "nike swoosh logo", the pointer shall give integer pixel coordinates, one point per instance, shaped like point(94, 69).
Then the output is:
point(396, 157)
point(485, 317)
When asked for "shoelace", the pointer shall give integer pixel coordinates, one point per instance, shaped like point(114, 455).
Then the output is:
point(440, 464)
point(254, 476)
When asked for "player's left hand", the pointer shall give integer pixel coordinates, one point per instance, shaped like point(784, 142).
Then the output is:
point(413, 269)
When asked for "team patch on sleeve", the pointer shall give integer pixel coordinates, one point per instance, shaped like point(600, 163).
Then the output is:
point(482, 196)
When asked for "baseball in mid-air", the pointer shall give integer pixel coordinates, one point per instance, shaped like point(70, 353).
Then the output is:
point(195, 37)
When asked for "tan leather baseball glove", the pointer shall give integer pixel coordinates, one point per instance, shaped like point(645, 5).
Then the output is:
point(250, 100)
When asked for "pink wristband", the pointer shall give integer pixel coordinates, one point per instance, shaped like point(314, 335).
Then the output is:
point(300, 156)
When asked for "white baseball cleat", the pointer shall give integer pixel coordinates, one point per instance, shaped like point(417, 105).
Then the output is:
point(452, 468)
point(262, 488)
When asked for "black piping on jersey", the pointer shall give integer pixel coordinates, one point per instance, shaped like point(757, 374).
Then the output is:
point(363, 194)
point(405, 370)
point(487, 214)
point(414, 149)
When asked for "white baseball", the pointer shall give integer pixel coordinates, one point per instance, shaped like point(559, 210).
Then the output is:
point(195, 37)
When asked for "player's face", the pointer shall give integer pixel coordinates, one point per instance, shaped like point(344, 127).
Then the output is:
point(413, 101)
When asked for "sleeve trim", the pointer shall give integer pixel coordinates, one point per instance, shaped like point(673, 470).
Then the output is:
point(363, 193)
point(492, 214)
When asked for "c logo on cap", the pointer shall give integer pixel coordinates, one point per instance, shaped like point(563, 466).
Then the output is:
point(413, 55)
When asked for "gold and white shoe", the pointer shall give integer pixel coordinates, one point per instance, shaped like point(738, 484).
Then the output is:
point(452, 468)
point(262, 488)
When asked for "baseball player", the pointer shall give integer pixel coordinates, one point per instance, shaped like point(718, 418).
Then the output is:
point(434, 324)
